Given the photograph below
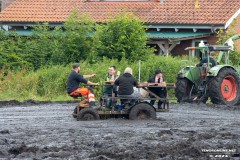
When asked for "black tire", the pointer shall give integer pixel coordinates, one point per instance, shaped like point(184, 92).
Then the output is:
point(183, 89)
point(142, 111)
point(88, 114)
point(74, 113)
point(228, 78)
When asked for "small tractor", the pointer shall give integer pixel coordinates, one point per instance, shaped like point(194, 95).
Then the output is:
point(124, 106)
point(220, 83)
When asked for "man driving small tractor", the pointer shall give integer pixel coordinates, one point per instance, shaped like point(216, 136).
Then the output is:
point(73, 89)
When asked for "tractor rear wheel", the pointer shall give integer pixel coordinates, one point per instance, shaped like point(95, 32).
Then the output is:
point(88, 114)
point(183, 89)
point(224, 88)
point(142, 111)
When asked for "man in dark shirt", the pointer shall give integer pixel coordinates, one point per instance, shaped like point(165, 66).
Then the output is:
point(211, 60)
point(73, 89)
point(159, 81)
point(125, 84)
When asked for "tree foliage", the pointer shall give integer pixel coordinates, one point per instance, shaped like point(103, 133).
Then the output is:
point(122, 37)
point(11, 54)
point(48, 45)
point(78, 39)
point(223, 36)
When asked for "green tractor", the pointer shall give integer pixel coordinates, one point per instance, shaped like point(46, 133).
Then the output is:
point(219, 82)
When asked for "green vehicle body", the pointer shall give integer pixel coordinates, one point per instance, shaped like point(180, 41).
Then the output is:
point(193, 73)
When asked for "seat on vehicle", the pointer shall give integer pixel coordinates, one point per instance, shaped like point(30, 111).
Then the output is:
point(127, 100)
point(75, 95)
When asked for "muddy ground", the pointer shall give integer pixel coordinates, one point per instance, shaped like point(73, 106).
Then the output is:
point(48, 131)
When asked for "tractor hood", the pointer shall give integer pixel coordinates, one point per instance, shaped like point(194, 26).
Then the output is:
point(214, 70)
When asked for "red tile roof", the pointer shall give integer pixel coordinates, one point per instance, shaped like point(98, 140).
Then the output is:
point(103, 11)
point(39, 10)
point(169, 12)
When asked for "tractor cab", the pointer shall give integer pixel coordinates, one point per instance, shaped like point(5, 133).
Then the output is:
point(196, 54)
point(200, 61)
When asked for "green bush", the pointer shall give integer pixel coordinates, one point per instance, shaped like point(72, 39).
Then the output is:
point(49, 83)
point(122, 37)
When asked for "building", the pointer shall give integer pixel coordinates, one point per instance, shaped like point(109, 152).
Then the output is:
point(173, 24)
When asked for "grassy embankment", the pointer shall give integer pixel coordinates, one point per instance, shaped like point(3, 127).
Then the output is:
point(49, 83)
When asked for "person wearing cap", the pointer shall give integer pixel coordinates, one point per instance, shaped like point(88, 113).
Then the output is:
point(74, 80)
point(158, 80)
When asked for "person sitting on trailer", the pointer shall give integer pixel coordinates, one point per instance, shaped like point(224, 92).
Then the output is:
point(211, 60)
point(110, 89)
point(158, 80)
point(110, 77)
point(74, 80)
point(125, 84)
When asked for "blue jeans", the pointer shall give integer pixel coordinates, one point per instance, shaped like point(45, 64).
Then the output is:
point(109, 102)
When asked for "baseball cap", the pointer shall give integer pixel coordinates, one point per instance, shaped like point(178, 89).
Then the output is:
point(158, 71)
point(75, 65)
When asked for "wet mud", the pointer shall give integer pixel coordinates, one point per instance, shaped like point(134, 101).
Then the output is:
point(187, 131)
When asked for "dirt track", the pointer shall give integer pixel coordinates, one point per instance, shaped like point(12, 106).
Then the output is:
point(48, 131)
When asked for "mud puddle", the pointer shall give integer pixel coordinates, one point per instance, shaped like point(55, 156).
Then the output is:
point(48, 131)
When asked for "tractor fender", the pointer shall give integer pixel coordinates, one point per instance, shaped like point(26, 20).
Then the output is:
point(215, 70)
point(141, 102)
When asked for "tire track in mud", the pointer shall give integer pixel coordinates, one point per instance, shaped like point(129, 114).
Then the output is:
point(48, 131)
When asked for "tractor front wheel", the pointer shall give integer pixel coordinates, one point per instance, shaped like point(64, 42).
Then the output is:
point(224, 88)
point(182, 90)
point(88, 114)
point(74, 114)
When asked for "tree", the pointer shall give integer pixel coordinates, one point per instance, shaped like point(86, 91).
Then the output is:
point(223, 36)
point(11, 54)
point(62, 45)
point(77, 40)
point(122, 37)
